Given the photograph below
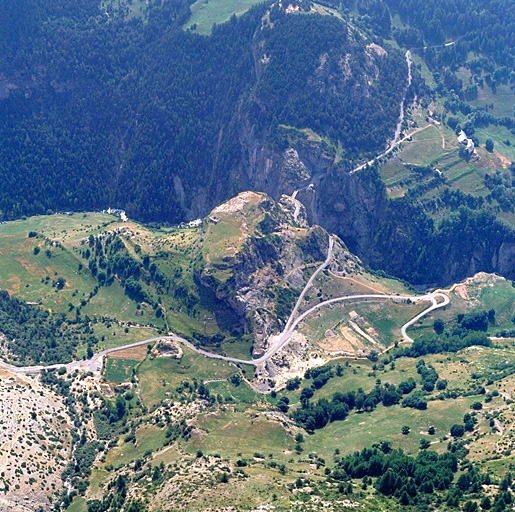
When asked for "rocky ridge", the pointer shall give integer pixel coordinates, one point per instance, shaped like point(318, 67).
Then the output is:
point(257, 258)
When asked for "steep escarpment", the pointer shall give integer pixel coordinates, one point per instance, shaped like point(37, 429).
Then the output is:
point(398, 236)
point(256, 258)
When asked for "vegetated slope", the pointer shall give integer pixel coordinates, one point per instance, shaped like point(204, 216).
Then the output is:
point(94, 282)
point(30, 335)
point(199, 438)
point(97, 109)
point(100, 109)
point(442, 214)
point(480, 27)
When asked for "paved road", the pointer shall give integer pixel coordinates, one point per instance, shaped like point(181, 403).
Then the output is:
point(398, 128)
point(95, 363)
point(310, 282)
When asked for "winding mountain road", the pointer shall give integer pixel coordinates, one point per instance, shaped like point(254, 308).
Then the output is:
point(396, 139)
point(278, 341)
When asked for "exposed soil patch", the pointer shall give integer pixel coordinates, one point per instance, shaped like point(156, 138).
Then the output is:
point(462, 292)
point(504, 161)
point(134, 353)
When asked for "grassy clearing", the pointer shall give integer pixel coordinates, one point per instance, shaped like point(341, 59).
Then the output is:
point(61, 227)
point(437, 146)
point(31, 277)
point(97, 478)
point(160, 376)
point(308, 132)
point(116, 335)
point(503, 153)
point(148, 438)
point(482, 293)
point(79, 504)
point(240, 434)
point(206, 13)
point(61, 240)
point(236, 220)
point(119, 370)
point(128, 9)
point(240, 348)
point(242, 394)
point(333, 285)
point(361, 375)
point(503, 100)
point(360, 430)
point(168, 455)
point(426, 146)
point(111, 301)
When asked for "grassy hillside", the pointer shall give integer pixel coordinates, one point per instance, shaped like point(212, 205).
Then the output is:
point(191, 424)
point(49, 261)
point(244, 435)
point(206, 13)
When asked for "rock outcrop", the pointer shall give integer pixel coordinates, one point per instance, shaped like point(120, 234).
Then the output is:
point(257, 258)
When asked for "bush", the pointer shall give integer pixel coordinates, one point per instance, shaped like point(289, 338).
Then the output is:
point(424, 444)
point(441, 385)
point(293, 384)
point(457, 430)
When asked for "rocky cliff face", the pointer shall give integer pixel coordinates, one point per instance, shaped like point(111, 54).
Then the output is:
point(398, 237)
point(257, 256)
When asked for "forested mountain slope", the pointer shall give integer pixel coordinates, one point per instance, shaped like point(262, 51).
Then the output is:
point(102, 106)
point(99, 110)
point(432, 212)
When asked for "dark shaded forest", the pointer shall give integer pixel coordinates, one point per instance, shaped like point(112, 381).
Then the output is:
point(98, 110)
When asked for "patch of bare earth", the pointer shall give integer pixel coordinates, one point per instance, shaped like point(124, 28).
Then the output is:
point(347, 341)
point(293, 361)
point(462, 292)
point(237, 204)
point(35, 444)
point(134, 353)
point(505, 163)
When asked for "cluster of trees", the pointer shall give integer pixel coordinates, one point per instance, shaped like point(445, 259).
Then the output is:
point(414, 481)
point(466, 330)
point(115, 499)
point(428, 375)
point(108, 258)
point(404, 227)
point(33, 335)
point(479, 27)
point(316, 415)
point(396, 474)
point(482, 27)
point(286, 296)
point(321, 375)
point(502, 189)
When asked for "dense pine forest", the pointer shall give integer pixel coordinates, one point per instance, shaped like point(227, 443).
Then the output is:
point(100, 110)
point(103, 109)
